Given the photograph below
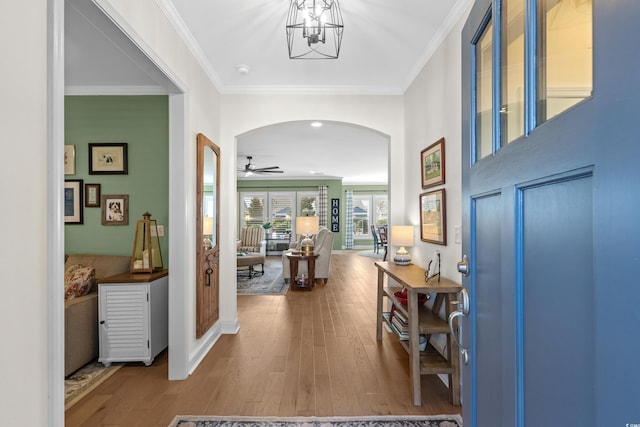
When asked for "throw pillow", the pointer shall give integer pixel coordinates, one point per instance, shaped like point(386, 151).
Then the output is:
point(78, 281)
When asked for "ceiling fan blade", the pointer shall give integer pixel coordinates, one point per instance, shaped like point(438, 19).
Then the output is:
point(266, 171)
point(267, 168)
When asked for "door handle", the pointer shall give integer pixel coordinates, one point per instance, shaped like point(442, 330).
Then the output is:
point(463, 266)
point(462, 310)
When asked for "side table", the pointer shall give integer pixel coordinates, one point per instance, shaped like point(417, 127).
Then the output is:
point(302, 282)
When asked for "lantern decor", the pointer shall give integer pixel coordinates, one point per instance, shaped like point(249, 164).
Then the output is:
point(146, 256)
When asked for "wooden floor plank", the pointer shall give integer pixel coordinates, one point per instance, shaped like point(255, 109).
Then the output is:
point(303, 353)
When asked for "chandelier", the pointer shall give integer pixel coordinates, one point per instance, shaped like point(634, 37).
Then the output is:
point(314, 29)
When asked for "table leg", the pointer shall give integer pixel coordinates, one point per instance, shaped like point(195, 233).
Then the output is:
point(414, 346)
point(311, 269)
point(379, 305)
point(293, 270)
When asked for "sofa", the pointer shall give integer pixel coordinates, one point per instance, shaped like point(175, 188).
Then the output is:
point(81, 312)
point(323, 244)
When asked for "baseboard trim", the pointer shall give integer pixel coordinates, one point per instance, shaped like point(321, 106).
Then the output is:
point(206, 343)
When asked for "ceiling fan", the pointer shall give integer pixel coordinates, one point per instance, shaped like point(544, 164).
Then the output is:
point(249, 168)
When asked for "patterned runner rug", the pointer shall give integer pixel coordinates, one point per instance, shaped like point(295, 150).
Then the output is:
point(269, 283)
point(375, 421)
point(85, 380)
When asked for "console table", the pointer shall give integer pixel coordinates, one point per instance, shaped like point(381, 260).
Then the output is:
point(277, 243)
point(422, 320)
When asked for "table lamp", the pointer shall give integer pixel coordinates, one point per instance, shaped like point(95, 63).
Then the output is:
point(402, 235)
point(307, 226)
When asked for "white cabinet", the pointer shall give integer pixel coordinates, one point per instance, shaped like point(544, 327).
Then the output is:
point(132, 317)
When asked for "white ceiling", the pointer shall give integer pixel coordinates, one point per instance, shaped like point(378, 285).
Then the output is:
point(385, 44)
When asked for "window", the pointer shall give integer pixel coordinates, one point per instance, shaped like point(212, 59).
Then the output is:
point(252, 209)
point(361, 211)
point(257, 208)
point(380, 202)
point(368, 210)
point(280, 210)
point(307, 203)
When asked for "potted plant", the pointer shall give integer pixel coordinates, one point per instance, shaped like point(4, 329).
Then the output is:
point(267, 227)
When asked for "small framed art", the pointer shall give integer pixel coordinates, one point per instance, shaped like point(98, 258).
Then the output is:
point(432, 164)
point(73, 201)
point(115, 209)
point(92, 195)
point(108, 158)
point(69, 159)
point(433, 217)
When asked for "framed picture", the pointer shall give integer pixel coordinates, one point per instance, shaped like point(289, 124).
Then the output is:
point(108, 158)
point(92, 195)
point(433, 217)
point(69, 159)
point(115, 209)
point(432, 164)
point(73, 201)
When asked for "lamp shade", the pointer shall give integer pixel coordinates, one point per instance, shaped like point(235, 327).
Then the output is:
point(207, 225)
point(402, 235)
point(307, 225)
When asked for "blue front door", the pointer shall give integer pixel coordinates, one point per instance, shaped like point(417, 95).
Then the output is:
point(551, 217)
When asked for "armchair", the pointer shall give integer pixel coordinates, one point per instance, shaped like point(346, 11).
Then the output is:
point(322, 247)
point(252, 240)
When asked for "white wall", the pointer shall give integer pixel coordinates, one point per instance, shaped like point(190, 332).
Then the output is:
point(23, 218)
point(146, 23)
point(432, 111)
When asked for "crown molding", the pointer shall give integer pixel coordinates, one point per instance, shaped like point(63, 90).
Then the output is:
point(183, 31)
point(115, 90)
point(311, 90)
point(461, 8)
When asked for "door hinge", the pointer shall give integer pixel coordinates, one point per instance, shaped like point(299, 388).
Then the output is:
point(148, 344)
point(147, 296)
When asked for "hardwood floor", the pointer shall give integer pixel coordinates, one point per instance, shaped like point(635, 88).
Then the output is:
point(303, 354)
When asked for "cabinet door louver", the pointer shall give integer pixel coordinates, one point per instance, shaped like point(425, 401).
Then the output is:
point(125, 321)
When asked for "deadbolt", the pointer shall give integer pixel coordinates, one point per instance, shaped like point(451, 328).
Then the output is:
point(463, 266)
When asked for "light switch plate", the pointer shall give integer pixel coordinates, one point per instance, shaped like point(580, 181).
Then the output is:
point(457, 231)
point(161, 231)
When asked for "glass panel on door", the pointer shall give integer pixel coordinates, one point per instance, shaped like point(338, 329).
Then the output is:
point(484, 99)
point(565, 55)
point(512, 71)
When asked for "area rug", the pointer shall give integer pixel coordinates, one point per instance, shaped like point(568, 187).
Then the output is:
point(375, 421)
point(85, 380)
point(269, 283)
point(372, 254)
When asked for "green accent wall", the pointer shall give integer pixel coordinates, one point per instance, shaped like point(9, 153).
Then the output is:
point(143, 123)
point(336, 190)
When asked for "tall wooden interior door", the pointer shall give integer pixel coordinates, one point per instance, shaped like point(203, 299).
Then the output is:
point(550, 228)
